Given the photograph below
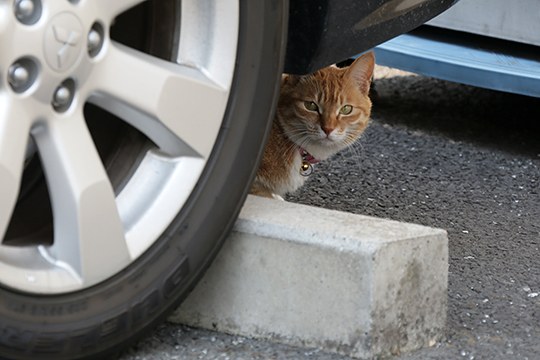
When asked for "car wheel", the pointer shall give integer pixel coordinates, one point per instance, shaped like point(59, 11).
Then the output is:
point(129, 133)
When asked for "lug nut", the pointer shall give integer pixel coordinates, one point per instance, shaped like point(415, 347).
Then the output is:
point(63, 95)
point(22, 74)
point(24, 8)
point(95, 39)
point(18, 76)
point(28, 11)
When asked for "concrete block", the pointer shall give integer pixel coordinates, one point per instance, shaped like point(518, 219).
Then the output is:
point(351, 284)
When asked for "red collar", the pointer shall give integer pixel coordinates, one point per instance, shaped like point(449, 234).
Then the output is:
point(306, 156)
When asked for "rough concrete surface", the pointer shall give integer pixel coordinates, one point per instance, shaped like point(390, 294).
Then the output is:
point(312, 277)
point(443, 155)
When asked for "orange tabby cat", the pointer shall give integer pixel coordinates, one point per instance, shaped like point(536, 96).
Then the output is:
point(317, 115)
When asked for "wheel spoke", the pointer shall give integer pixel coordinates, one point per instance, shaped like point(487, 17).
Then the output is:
point(109, 9)
point(14, 133)
point(88, 232)
point(168, 98)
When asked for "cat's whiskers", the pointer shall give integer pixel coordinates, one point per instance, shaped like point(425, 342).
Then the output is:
point(298, 139)
point(299, 135)
point(291, 148)
point(353, 143)
point(359, 142)
point(296, 133)
point(305, 142)
point(355, 149)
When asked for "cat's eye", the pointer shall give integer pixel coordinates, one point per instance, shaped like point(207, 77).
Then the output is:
point(346, 110)
point(311, 106)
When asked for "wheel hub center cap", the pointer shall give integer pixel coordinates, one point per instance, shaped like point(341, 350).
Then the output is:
point(63, 43)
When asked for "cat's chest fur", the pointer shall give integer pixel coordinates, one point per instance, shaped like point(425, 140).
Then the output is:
point(279, 172)
point(293, 179)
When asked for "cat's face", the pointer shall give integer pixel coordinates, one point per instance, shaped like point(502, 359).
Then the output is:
point(327, 111)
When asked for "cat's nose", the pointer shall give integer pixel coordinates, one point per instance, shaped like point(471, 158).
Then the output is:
point(327, 130)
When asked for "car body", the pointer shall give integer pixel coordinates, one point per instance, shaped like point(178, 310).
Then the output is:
point(491, 44)
point(323, 32)
point(130, 131)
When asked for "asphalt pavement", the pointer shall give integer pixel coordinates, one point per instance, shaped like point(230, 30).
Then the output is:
point(444, 155)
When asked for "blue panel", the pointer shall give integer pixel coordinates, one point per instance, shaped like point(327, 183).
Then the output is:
point(473, 60)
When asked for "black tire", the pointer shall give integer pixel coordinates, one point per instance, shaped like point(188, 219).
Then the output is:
point(101, 320)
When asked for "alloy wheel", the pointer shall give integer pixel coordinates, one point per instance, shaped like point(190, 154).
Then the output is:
point(56, 58)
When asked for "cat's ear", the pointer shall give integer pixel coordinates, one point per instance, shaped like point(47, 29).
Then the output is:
point(361, 71)
point(290, 79)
